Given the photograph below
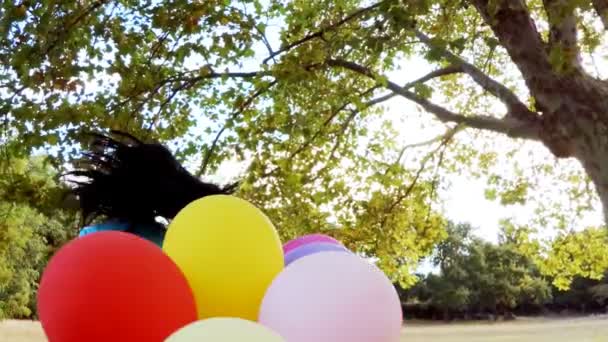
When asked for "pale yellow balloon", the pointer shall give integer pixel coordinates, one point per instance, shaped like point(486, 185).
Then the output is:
point(225, 329)
point(229, 251)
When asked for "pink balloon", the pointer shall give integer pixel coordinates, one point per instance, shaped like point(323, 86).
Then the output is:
point(306, 239)
point(312, 248)
point(330, 297)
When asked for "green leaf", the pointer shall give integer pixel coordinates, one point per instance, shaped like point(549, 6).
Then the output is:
point(423, 90)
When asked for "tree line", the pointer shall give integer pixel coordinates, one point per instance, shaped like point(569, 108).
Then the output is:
point(476, 279)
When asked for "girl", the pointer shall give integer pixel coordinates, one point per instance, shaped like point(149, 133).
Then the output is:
point(130, 184)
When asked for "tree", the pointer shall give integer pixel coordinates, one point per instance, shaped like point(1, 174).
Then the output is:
point(32, 227)
point(577, 254)
point(600, 294)
point(448, 295)
point(478, 276)
point(569, 255)
point(149, 67)
point(583, 296)
point(303, 113)
point(451, 290)
point(451, 251)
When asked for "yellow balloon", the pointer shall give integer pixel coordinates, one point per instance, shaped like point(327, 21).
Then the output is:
point(224, 329)
point(229, 251)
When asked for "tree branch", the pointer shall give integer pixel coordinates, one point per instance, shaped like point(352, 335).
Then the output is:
point(452, 69)
point(509, 125)
point(563, 33)
point(168, 100)
point(437, 73)
point(441, 147)
point(330, 118)
point(242, 107)
point(449, 134)
point(324, 30)
point(339, 135)
point(271, 52)
point(601, 7)
point(513, 26)
point(188, 82)
point(208, 73)
point(339, 139)
point(156, 48)
point(69, 24)
point(514, 105)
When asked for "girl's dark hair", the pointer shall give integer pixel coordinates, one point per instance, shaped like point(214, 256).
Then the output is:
point(132, 181)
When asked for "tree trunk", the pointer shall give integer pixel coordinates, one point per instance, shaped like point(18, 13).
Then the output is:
point(592, 151)
point(597, 169)
point(575, 124)
point(572, 105)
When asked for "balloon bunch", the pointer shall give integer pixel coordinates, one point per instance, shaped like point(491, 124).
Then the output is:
point(221, 275)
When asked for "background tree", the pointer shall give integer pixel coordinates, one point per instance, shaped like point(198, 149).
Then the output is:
point(452, 289)
point(448, 295)
point(570, 255)
point(477, 276)
point(32, 227)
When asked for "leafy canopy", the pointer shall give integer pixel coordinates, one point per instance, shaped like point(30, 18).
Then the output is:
point(293, 90)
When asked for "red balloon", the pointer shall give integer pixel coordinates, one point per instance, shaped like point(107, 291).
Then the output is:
point(113, 286)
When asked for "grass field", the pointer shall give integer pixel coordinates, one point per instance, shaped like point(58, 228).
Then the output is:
point(536, 330)
point(523, 330)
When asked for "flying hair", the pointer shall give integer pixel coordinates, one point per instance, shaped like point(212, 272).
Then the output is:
point(124, 178)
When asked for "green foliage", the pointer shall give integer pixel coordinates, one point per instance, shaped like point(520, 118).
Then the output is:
point(32, 227)
point(448, 295)
point(21, 254)
point(584, 295)
point(564, 258)
point(481, 276)
point(396, 227)
point(577, 254)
